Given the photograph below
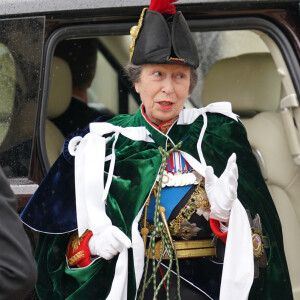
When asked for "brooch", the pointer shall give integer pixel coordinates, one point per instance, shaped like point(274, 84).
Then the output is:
point(258, 248)
point(260, 243)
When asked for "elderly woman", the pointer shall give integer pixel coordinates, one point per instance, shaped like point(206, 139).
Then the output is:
point(158, 195)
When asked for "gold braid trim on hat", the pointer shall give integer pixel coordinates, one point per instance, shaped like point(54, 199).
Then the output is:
point(134, 31)
point(179, 60)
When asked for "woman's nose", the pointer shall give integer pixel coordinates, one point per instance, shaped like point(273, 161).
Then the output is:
point(168, 87)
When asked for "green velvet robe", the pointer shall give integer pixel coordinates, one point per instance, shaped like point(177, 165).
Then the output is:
point(137, 165)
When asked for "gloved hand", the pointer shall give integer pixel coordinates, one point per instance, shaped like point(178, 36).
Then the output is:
point(222, 191)
point(108, 242)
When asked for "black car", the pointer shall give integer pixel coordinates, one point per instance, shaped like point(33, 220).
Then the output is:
point(249, 55)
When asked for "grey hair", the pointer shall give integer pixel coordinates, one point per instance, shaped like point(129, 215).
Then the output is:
point(134, 73)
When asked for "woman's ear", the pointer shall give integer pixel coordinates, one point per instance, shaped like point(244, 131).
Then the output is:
point(137, 87)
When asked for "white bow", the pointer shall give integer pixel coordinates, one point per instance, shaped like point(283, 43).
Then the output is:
point(89, 153)
point(188, 116)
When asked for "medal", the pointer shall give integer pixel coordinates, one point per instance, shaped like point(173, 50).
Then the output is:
point(171, 181)
point(177, 178)
point(183, 180)
point(190, 178)
point(165, 179)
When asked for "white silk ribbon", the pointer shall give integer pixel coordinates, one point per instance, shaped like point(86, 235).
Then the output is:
point(238, 267)
point(89, 153)
point(194, 163)
point(188, 116)
point(119, 285)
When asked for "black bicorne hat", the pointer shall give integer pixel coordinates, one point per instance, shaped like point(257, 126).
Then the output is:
point(163, 38)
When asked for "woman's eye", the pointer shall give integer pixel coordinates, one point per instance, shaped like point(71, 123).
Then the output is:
point(180, 76)
point(157, 73)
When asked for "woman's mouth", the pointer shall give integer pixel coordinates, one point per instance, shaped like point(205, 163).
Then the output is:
point(165, 105)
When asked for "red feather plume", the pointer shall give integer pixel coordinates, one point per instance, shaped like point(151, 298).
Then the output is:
point(163, 6)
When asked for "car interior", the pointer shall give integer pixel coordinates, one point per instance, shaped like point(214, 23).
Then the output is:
point(258, 86)
point(257, 75)
point(59, 99)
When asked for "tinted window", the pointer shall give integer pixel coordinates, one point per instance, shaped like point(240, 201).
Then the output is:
point(20, 61)
point(99, 87)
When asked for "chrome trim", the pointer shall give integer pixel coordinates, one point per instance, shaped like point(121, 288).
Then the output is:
point(261, 163)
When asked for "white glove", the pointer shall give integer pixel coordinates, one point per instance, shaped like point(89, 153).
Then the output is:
point(222, 191)
point(108, 242)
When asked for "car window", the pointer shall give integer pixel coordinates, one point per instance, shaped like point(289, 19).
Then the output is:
point(104, 89)
point(7, 88)
point(87, 82)
point(21, 43)
point(116, 94)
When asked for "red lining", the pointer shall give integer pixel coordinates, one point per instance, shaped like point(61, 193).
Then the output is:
point(157, 127)
point(215, 227)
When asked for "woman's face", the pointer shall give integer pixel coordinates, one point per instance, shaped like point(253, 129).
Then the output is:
point(163, 90)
